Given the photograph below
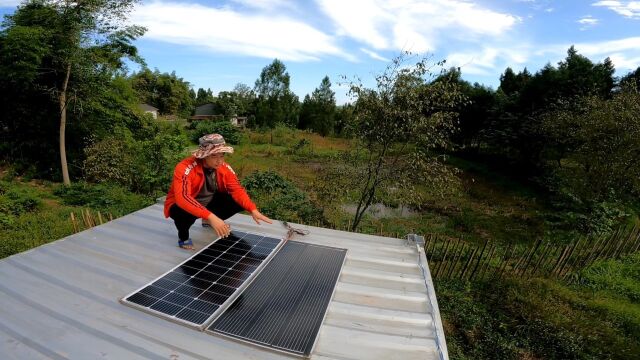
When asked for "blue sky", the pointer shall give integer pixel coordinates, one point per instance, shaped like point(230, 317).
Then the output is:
point(217, 44)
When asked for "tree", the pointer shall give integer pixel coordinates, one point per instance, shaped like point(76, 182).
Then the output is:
point(275, 102)
point(168, 92)
point(632, 78)
point(398, 124)
point(245, 99)
point(204, 97)
point(73, 44)
point(318, 111)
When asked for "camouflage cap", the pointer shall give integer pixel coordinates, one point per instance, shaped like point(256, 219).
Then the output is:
point(211, 144)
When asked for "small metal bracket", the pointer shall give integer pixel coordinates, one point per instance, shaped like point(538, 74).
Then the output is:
point(415, 239)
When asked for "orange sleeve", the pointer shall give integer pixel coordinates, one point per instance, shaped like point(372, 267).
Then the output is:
point(236, 190)
point(182, 186)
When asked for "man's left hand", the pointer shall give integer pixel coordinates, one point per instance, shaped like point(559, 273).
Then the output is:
point(257, 217)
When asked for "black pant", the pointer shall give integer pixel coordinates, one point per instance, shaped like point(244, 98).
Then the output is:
point(222, 205)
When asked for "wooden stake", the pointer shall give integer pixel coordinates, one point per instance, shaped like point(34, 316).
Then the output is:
point(444, 258)
point(456, 257)
point(73, 222)
point(469, 261)
point(478, 261)
point(487, 262)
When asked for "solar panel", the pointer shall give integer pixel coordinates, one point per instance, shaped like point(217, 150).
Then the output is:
point(285, 305)
point(202, 286)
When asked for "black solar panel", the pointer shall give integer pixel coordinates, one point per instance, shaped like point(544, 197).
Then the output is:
point(285, 305)
point(202, 286)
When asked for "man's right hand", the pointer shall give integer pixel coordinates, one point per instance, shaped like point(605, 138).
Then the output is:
point(221, 228)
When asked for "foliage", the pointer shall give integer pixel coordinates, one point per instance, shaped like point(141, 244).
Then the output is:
point(619, 277)
point(167, 92)
point(49, 220)
point(515, 127)
point(595, 145)
point(14, 201)
point(279, 199)
point(68, 54)
point(275, 103)
point(230, 132)
point(318, 110)
point(533, 319)
point(144, 166)
point(397, 124)
point(239, 102)
point(108, 198)
point(204, 97)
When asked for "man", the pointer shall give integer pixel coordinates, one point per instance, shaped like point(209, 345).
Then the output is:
point(204, 186)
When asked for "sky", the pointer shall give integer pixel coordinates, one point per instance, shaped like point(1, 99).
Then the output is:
point(217, 44)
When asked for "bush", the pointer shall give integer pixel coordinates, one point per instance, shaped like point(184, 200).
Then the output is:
point(279, 199)
point(230, 133)
point(144, 166)
point(15, 201)
point(108, 198)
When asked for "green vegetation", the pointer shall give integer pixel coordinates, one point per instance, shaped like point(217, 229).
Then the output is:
point(596, 318)
point(35, 213)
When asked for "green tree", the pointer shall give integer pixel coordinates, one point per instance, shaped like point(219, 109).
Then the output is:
point(168, 92)
point(73, 45)
point(600, 145)
point(245, 99)
point(204, 97)
point(399, 123)
point(318, 110)
point(632, 78)
point(275, 102)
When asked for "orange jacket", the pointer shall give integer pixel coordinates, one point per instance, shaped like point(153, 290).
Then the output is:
point(188, 179)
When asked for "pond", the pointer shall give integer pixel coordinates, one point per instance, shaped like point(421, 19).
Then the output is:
point(381, 211)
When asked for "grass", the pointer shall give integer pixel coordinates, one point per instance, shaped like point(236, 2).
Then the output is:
point(49, 218)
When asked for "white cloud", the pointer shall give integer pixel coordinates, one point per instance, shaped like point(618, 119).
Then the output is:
point(266, 4)
point(588, 20)
point(227, 31)
point(486, 60)
point(374, 55)
point(411, 24)
point(622, 62)
point(9, 3)
point(630, 9)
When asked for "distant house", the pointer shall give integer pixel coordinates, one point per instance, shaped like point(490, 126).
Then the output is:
point(239, 121)
point(146, 108)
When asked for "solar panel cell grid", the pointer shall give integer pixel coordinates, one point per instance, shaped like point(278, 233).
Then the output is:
point(196, 289)
point(284, 307)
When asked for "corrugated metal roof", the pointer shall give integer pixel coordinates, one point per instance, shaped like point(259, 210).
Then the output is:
point(60, 300)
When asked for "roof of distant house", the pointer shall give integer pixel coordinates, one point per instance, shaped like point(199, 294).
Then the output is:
point(205, 109)
point(147, 107)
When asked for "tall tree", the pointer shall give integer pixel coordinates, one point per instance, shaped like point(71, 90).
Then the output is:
point(166, 91)
point(77, 40)
point(399, 123)
point(275, 102)
point(245, 99)
point(631, 79)
point(318, 110)
point(204, 97)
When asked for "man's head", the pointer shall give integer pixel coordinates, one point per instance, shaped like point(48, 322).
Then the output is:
point(211, 150)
